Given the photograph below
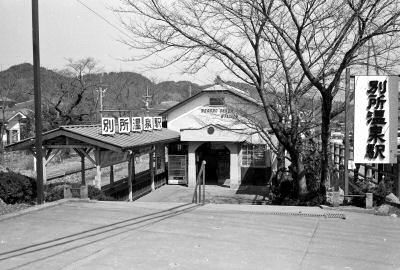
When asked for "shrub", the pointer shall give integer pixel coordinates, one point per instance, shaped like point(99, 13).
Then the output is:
point(54, 192)
point(96, 194)
point(17, 188)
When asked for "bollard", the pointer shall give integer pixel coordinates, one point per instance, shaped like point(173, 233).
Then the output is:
point(84, 192)
point(368, 200)
point(67, 192)
point(335, 198)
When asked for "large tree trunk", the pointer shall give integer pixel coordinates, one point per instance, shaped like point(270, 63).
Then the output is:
point(325, 134)
point(298, 173)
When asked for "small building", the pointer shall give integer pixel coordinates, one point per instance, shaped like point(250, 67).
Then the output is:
point(220, 125)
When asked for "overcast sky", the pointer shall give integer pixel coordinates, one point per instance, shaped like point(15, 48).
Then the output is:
point(68, 29)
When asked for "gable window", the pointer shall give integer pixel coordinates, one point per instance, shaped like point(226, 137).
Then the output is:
point(217, 101)
point(253, 155)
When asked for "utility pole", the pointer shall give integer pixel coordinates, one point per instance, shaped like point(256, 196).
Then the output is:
point(101, 92)
point(38, 103)
point(146, 100)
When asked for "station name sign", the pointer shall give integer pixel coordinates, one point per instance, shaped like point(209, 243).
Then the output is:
point(129, 124)
point(221, 112)
point(375, 119)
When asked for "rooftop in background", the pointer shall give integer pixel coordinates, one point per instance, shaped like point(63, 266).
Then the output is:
point(221, 88)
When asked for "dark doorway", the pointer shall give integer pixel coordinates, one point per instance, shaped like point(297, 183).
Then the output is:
point(217, 158)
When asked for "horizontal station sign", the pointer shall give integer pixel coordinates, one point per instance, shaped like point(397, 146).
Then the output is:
point(111, 125)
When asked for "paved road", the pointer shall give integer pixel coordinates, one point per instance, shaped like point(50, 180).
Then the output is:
point(122, 235)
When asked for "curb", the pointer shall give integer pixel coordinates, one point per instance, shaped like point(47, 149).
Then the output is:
point(40, 207)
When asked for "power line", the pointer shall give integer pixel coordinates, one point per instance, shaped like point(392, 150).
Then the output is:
point(125, 34)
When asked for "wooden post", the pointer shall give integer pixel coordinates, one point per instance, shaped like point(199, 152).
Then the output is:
point(111, 174)
point(130, 173)
point(346, 133)
point(44, 163)
point(83, 180)
point(97, 180)
point(151, 167)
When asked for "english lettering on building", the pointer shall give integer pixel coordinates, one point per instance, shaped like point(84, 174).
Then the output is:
point(375, 119)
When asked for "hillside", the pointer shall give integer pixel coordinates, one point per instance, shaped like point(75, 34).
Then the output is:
point(122, 87)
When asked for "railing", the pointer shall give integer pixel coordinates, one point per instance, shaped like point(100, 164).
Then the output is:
point(198, 197)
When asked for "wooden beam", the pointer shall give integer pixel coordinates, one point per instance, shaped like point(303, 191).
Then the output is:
point(70, 146)
point(86, 154)
point(50, 155)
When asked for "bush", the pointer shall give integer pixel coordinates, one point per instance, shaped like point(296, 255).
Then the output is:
point(96, 194)
point(17, 188)
point(54, 192)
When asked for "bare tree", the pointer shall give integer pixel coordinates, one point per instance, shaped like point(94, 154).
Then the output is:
point(287, 50)
point(73, 100)
point(326, 37)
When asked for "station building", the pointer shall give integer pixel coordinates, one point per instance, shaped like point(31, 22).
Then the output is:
point(218, 125)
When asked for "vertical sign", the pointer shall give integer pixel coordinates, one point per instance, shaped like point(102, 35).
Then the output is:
point(375, 119)
point(107, 125)
point(137, 124)
point(124, 125)
point(157, 123)
point(147, 123)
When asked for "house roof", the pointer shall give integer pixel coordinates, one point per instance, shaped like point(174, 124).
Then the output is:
point(91, 135)
point(217, 88)
point(8, 115)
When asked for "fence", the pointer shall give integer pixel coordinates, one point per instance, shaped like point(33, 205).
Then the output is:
point(360, 173)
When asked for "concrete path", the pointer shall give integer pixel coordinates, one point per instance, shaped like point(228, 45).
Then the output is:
point(214, 194)
point(143, 235)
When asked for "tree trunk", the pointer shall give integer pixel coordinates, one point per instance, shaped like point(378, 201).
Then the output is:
point(298, 173)
point(325, 133)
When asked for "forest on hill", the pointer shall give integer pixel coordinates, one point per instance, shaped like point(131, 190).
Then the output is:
point(71, 95)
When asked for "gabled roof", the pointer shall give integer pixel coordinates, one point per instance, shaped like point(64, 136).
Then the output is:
point(8, 115)
point(91, 135)
point(217, 88)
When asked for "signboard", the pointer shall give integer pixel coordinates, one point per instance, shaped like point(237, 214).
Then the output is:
point(220, 112)
point(130, 124)
point(375, 119)
point(108, 125)
point(124, 125)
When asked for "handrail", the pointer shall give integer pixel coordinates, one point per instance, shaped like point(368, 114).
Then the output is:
point(200, 180)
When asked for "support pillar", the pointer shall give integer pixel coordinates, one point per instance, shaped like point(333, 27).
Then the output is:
point(83, 174)
point(151, 167)
point(97, 179)
point(130, 178)
point(111, 174)
point(192, 163)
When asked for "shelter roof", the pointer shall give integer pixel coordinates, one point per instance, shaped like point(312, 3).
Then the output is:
point(90, 135)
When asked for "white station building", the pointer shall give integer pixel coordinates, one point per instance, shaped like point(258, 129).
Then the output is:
point(212, 128)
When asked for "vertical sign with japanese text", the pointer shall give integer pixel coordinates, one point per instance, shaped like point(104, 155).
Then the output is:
point(375, 119)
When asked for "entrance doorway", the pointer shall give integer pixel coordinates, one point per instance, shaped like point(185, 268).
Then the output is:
point(217, 158)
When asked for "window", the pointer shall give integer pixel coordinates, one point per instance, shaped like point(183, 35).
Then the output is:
point(14, 136)
point(253, 155)
point(217, 101)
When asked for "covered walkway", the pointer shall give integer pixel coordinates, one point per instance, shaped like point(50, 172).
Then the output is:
point(104, 150)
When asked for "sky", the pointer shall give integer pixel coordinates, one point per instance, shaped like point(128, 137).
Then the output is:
point(68, 29)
